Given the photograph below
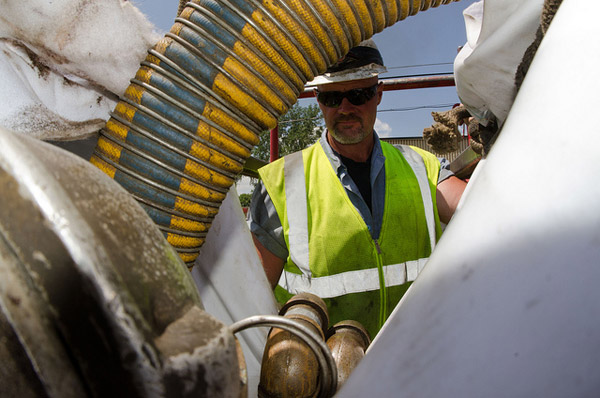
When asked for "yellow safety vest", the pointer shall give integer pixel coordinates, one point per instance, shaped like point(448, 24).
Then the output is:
point(331, 251)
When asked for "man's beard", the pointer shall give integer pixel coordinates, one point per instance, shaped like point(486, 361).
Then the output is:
point(348, 136)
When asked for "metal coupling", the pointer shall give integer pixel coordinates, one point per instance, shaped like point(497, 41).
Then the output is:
point(289, 366)
point(348, 342)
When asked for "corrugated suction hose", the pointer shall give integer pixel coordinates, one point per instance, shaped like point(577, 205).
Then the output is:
point(225, 72)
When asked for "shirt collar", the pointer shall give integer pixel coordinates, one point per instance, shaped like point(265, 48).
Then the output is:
point(377, 158)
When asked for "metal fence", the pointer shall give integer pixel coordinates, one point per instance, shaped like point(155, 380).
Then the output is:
point(420, 143)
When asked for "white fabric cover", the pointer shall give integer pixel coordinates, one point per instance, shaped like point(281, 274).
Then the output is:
point(232, 283)
point(498, 33)
point(63, 64)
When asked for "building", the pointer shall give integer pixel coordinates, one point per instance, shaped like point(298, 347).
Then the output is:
point(419, 142)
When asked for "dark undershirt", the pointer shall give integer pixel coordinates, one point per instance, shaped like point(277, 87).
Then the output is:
point(360, 172)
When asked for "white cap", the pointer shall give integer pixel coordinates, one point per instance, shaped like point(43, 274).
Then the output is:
point(362, 62)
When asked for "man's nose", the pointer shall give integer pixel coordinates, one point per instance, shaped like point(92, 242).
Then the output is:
point(345, 105)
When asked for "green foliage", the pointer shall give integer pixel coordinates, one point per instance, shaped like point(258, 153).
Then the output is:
point(245, 199)
point(300, 127)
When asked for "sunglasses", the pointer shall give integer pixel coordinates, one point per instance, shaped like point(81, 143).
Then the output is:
point(357, 96)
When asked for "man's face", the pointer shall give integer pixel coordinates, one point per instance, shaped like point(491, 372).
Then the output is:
point(349, 123)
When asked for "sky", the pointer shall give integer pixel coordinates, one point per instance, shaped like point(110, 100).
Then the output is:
point(430, 39)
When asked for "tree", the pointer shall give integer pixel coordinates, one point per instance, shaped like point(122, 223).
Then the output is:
point(245, 199)
point(299, 127)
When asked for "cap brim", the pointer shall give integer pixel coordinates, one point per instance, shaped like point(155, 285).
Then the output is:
point(364, 72)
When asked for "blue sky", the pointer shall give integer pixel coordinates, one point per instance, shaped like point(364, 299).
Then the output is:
point(430, 37)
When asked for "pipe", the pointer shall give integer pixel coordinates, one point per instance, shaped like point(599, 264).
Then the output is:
point(413, 82)
point(348, 341)
point(226, 71)
point(327, 367)
point(404, 83)
point(290, 368)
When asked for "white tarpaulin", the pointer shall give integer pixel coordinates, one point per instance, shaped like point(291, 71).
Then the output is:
point(498, 33)
point(63, 64)
point(231, 281)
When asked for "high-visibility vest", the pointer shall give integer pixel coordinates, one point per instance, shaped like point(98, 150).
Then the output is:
point(331, 251)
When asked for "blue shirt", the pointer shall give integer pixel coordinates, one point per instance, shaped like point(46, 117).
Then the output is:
point(266, 226)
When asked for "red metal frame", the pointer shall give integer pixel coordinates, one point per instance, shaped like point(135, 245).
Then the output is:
point(274, 144)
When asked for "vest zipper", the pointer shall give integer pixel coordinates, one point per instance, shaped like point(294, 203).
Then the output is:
point(382, 288)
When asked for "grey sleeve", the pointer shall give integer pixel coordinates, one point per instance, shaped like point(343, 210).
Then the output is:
point(264, 222)
point(444, 170)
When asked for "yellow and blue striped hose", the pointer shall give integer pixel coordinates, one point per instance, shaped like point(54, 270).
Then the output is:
point(225, 72)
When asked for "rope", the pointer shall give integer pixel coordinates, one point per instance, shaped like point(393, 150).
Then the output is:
point(443, 136)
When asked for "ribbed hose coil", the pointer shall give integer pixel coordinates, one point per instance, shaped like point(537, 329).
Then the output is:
point(225, 72)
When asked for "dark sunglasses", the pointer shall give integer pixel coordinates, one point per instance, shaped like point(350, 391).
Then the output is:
point(357, 96)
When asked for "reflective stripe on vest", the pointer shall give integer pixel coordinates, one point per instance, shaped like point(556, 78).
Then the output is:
point(350, 281)
point(418, 166)
point(295, 187)
point(357, 281)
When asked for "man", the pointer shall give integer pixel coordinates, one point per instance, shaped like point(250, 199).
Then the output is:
point(351, 219)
